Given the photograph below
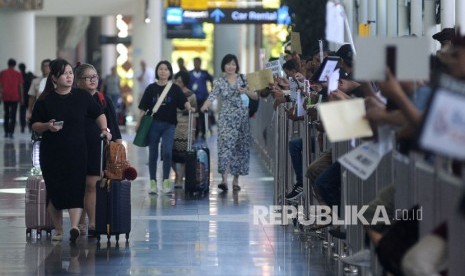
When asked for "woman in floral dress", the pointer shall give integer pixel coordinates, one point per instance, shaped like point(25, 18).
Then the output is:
point(233, 122)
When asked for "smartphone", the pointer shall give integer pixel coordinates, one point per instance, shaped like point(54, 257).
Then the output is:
point(391, 56)
point(58, 123)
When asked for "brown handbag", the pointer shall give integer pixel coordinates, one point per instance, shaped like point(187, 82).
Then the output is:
point(116, 161)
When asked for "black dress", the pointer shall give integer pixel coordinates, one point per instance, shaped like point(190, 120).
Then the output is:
point(63, 154)
point(93, 134)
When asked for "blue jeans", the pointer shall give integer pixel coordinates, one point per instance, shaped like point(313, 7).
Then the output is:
point(328, 184)
point(295, 150)
point(165, 131)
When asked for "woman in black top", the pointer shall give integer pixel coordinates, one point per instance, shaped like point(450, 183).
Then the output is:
point(59, 115)
point(87, 79)
point(164, 121)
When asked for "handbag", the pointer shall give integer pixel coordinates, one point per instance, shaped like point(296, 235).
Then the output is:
point(116, 161)
point(141, 139)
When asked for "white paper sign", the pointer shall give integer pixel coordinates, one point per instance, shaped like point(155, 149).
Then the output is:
point(444, 128)
point(275, 67)
point(300, 108)
point(362, 161)
point(333, 81)
point(334, 23)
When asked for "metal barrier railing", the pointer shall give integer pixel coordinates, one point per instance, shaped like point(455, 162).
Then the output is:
point(416, 182)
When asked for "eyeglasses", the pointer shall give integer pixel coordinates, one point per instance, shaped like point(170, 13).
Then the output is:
point(90, 78)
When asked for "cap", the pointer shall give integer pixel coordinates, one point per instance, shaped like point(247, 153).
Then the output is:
point(345, 52)
point(445, 34)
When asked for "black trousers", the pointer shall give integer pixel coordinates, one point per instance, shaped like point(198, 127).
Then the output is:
point(9, 123)
point(200, 127)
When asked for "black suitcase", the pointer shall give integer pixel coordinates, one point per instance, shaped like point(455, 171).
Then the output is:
point(112, 207)
point(197, 173)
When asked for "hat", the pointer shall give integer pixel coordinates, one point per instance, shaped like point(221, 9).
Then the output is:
point(346, 53)
point(445, 34)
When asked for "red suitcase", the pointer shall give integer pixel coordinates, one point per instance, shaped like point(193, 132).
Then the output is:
point(37, 217)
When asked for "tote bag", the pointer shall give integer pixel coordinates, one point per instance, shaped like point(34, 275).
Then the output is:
point(142, 134)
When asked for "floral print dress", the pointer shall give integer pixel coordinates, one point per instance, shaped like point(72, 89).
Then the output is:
point(233, 127)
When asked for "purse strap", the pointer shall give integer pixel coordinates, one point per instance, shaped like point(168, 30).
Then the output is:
point(162, 97)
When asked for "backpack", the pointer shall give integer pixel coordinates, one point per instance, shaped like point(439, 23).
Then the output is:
point(253, 104)
point(116, 161)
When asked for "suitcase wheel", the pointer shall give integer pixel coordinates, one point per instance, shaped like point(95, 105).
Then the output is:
point(108, 238)
point(127, 237)
point(49, 233)
point(28, 233)
point(39, 234)
point(98, 239)
point(117, 237)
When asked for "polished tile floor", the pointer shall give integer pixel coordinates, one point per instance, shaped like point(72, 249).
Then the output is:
point(171, 235)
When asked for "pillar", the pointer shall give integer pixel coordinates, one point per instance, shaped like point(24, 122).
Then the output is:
point(227, 40)
point(416, 17)
point(403, 24)
point(17, 30)
point(460, 15)
point(430, 26)
point(392, 18)
point(108, 50)
point(448, 13)
point(372, 17)
point(382, 18)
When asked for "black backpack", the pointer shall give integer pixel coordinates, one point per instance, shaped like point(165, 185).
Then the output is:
point(253, 104)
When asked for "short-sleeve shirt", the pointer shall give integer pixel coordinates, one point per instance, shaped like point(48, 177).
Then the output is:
point(167, 111)
point(11, 80)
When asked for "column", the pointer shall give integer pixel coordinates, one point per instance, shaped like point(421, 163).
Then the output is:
point(146, 40)
point(108, 50)
point(460, 15)
point(430, 26)
point(448, 13)
point(227, 40)
point(382, 18)
point(416, 17)
point(45, 40)
point(17, 30)
point(403, 25)
point(372, 17)
point(349, 10)
point(392, 18)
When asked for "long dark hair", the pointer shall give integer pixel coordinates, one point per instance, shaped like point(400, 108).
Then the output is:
point(57, 68)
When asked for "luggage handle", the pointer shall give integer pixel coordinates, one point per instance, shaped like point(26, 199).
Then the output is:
point(189, 131)
point(102, 145)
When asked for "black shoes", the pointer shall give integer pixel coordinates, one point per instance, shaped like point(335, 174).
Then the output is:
point(223, 186)
point(73, 235)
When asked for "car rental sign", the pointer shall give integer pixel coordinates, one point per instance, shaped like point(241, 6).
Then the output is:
point(249, 16)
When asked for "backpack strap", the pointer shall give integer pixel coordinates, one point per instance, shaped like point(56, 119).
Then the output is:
point(101, 98)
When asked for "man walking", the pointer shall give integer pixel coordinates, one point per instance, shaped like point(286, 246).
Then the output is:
point(11, 92)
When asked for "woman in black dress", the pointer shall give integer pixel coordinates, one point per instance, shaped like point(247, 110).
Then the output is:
point(87, 79)
point(59, 115)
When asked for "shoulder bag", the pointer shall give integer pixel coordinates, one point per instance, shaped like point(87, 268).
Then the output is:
point(141, 139)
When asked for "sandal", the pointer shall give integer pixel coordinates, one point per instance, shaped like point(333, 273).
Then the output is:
point(236, 188)
point(223, 186)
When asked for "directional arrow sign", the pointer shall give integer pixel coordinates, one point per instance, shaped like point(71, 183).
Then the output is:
point(217, 14)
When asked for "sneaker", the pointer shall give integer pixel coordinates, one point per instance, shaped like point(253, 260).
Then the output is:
point(153, 187)
point(167, 186)
point(361, 258)
point(57, 237)
point(297, 191)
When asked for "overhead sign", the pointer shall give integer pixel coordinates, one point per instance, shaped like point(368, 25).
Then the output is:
point(178, 16)
point(194, 4)
point(249, 16)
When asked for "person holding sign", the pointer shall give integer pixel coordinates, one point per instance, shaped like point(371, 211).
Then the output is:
point(233, 122)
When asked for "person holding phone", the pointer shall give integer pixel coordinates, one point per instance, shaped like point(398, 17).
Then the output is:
point(233, 122)
point(63, 148)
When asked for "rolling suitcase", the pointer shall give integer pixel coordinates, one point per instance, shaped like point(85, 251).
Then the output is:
point(197, 173)
point(36, 214)
point(112, 207)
